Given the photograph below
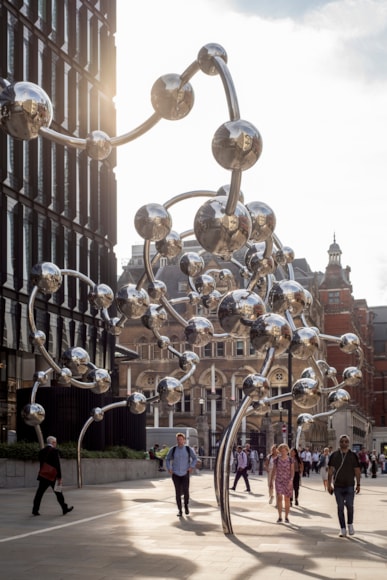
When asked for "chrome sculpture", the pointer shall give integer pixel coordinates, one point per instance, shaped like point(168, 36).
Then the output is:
point(265, 310)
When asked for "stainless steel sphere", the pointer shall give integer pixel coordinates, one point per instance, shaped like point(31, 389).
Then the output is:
point(237, 310)
point(204, 284)
point(41, 377)
point(113, 326)
point(260, 408)
point(207, 55)
point(263, 220)
point(77, 360)
point(219, 233)
point(24, 109)
point(187, 359)
point(270, 331)
point(287, 295)
point(237, 145)
point(137, 403)
point(256, 386)
point(33, 414)
point(38, 338)
point(194, 298)
point(98, 414)
point(352, 376)
point(170, 246)
point(170, 390)
point(163, 342)
point(306, 393)
point(349, 343)
point(305, 343)
point(284, 256)
point(153, 222)
point(47, 277)
point(156, 290)
point(171, 98)
point(256, 261)
point(131, 302)
point(304, 420)
point(308, 373)
point(225, 190)
point(102, 380)
point(211, 300)
point(98, 145)
point(101, 296)
point(154, 317)
point(339, 399)
point(65, 377)
point(191, 264)
point(199, 331)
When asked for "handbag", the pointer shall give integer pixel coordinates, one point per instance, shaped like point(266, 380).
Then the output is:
point(48, 472)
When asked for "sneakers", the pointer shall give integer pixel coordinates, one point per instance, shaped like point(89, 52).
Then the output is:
point(351, 531)
point(296, 501)
point(186, 510)
point(343, 533)
point(287, 521)
point(279, 521)
point(179, 514)
point(67, 510)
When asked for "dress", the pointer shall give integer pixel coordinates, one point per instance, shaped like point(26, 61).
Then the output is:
point(283, 476)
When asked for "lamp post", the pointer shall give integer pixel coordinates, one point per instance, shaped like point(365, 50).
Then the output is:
point(201, 403)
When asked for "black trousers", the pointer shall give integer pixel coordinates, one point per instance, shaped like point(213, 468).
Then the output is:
point(239, 474)
point(44, 484)
point(181, 483)
point(296, 484)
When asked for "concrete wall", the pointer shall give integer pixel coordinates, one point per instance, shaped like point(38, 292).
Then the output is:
point(14, 473)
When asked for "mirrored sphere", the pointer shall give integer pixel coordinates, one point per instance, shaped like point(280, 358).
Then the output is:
point(261, 265)
point(41, 377)
point(338, 399)
point(101, 296)
point(156, 290)
point(191, 264)
point(163, 342)
point(304, 419)
point(33, 414)
point(131, 302)
point(170, 390)
point(225, 190)
point(260, 408)
point(98, 145)
point(219, 233)
point(77, 360)
point(237, 145)
point(349, 343)
point(102, 380)
point(154, 317)
point(24, 109)
point(38, 338)
point(352, 376)
point(172, 99)
point(204, 284)
point(305, 343)
point(270, 331)
point(263, 220)
point(199, 331)
point(237, 310)
point(207, 55)
point(211, 300)
point(287, 295)
point(65, 377)
point(98, 414)
point(153, 222)
point(256, 386)
point(137, 403)
point(113, 326)
point(188, 359)
point(170, 246)
point(306, 393)
point(47, 277)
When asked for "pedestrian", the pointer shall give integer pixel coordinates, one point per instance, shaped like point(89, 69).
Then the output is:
point(344, 468)
point(306, 457)
point(364, 460)
point(241, 469)
point(323, 464)
point(50, 475)
point(374, 464)
point(298, 469)
point(268, 467)
point(181, 461)
point(283, 474)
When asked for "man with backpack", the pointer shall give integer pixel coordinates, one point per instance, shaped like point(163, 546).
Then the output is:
point(241, 469)
point(181, 461)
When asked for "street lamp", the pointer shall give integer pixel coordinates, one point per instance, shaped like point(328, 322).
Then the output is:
point(201, 403)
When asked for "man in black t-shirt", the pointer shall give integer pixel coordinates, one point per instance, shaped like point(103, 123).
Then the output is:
point(343, 469)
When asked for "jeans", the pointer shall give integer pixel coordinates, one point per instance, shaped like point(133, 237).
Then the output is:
point(345, 497)
point(181, 483)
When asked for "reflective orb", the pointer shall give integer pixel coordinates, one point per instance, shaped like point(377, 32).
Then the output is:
point(170, 246)
point(156, 290)
point(237, 310)
point(225, 190)
point(309, 373)
point(170, 390)
point(172, 99)
point(113, 326)
point(306, 393)
point(153, 222)
point(47, 277)
point(77, 360)
point(287, 295)
point(338, 399)
point(194, 298)
point(211, 300)
point(101, 296)
point(102, 380)
point(24, 109)
point(33, 414)
point(204, 284)
point(207, 55)
point(219, 233)
point(65, 377)
point(98, 414)
point(304, 420)
point(263, 220)
point(98, 145)
point(38, 338)
point(188, 359)
point(154, 317)
point(199, 331)
point(237, 145)
point(131, 302)
point(137, 403)
point(260, 408)
point(352, 376)
point(163, 342)
point(256, 386)
point(326, 370)
point(349, 343)
point(41, 377)
point(284, 256)
point(270, 331)
point(257, 262)
point(191, 264)
point(305, 343)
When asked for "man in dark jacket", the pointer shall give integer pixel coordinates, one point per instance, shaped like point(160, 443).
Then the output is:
point(50, 455)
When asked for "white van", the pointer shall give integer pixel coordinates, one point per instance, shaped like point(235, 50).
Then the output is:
point(167, 436)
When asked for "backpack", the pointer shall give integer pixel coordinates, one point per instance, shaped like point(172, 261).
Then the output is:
point(174, 448)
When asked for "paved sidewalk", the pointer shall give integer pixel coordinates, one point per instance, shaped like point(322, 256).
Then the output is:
point(130, 530)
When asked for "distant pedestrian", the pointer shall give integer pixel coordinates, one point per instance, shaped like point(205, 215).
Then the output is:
point(181, 461)
point(241, 469)
point(268, 467)
point(298, 469)
point(282, 475)
point(323, 463)
point(50, 475)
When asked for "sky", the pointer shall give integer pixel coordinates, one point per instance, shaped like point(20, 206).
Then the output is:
point(311, 76)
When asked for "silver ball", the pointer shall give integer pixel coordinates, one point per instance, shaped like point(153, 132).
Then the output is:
point(287, 295)
point(187, 360)
point(47, 277)
point(305, 343)
point(308, 373)
point(33, 414)
point(113, 326)
point(263, 221)
point(170, 246)
point(38, 338)
point(284, 256)
point(339, 399)
point(349, 343)
point(102, 380)
point(98, 414)
point(191, 264)
point(204, 284)
point(153, 222)
point(257, 262)
point(199, 331)
point(154, 317)
point(225, 190)
point(156, 290)
point(132, 302)
point(163, 342)
point(270, 331)
point(77, 360)
point(237, 145)
point(41, 377)
point(98, 145)
point(194, 298)
point(237, 310)
point(256, 386)
point(101, 296)
point(170, 390)
point(65, 376)
point(306, 393)
point(260, 408)
point(172, 99)
point(352, 376)
point(211, 300)
point(137, 403)
point(304, 420)
point(207, 55)
point(24, 109)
